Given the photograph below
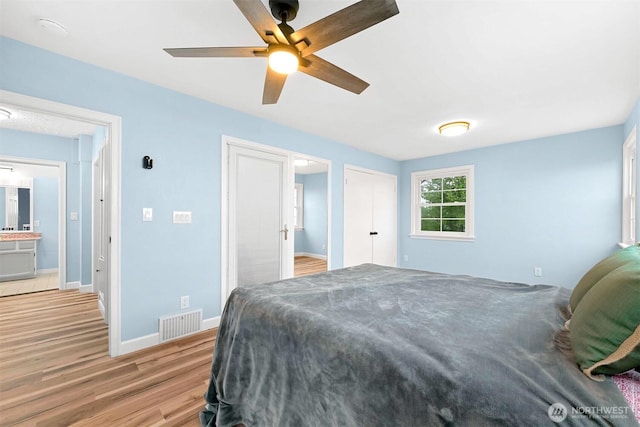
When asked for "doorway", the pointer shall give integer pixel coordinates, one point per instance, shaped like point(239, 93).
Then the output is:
point(257, 250)
point(43, 183)
point(113, 126)
point(311, 215)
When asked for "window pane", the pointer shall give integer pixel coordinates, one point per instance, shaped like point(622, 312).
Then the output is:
point(434, 184)
point(455, 196)
point(431, 212)
point(456, 225)
point(431, 190)
point(453, 212)
point(455, 182)
point(432, 197)
point(430, 225)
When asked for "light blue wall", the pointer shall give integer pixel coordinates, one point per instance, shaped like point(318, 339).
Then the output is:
point(45, 147)
point(45, 210)
point(634, 121)
point(553, 203)
point(313, 239)
point(98, 141)
point(162, 261)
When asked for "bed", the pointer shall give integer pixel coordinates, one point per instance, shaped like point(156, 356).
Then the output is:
point(381, 346)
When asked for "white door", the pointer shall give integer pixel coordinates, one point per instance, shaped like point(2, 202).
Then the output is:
point(358, 218)
point(101, 231)
point(370, 225)
point(259, 228)
point(385, 223)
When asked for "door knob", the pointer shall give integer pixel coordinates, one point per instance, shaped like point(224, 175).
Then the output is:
point(373, 233)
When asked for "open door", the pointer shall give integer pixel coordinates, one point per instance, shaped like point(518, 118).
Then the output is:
point(101, 230)
point(260, 231)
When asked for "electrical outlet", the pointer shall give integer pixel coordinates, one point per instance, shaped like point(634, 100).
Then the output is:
point(537, 271)
point(184, 301)
point(147, 214)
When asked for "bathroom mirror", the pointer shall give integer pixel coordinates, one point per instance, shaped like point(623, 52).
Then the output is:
point(15, 207)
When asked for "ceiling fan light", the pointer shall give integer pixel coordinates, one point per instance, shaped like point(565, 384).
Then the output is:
point(283, 61)
point(453, 128)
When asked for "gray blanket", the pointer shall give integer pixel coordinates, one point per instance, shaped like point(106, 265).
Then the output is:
point(377, 346)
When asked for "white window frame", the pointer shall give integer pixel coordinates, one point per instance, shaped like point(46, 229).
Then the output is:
point(417, 177)
point(298, 204)
point(629, 190)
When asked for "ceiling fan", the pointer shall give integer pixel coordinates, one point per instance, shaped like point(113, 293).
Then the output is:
point(289, 50)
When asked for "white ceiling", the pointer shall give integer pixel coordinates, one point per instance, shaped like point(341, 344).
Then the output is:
point(29, 121)
point(516, 69)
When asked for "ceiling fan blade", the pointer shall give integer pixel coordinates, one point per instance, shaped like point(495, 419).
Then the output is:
point(326, 71)
point(344, 23)
point(273, 84)
point(258, 15)
point(216, 52)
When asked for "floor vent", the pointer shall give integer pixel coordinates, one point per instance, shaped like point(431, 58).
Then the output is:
point(179, 325)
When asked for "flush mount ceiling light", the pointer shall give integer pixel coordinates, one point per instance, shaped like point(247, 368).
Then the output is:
point(283, 59)
point(53, 27)
point(453, 128)
point(5, 114)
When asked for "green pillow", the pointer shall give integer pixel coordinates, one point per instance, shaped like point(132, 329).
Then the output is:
point(601, 269)
point(605, 328)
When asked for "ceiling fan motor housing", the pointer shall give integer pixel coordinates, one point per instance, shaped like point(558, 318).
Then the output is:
point(284, 10)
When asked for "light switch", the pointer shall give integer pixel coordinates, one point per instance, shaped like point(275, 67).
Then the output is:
point(36, 223)
point(147, 214)
point(74, 216)
point(182, 217)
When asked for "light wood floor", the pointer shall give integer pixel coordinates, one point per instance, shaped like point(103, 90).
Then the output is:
point(42, 282)
point(304, 265)
point(55, 371)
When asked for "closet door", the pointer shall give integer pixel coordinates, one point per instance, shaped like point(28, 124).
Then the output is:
point(358, 217)
point(385, 223)
point(370, 219)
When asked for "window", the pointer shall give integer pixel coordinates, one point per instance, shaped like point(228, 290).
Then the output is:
point(298, 206)
point(629, 190)
point(442, 203)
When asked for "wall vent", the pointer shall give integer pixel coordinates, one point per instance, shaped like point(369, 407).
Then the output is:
point(179, 325)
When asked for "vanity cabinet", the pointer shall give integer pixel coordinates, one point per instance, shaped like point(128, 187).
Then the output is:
point(17, 258)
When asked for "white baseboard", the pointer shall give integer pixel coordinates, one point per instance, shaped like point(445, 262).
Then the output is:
point(139, 343)
point(150, 340)
point(86, 288)
point(72, 285)
point(211, 323)
point(310, 255)
point(47, 270)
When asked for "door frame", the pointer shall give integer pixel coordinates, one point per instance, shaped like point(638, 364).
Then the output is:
point(62, 203)
point(225, 286)
point(114, 125)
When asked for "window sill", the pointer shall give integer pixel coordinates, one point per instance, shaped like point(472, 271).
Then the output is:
point(451, 238)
